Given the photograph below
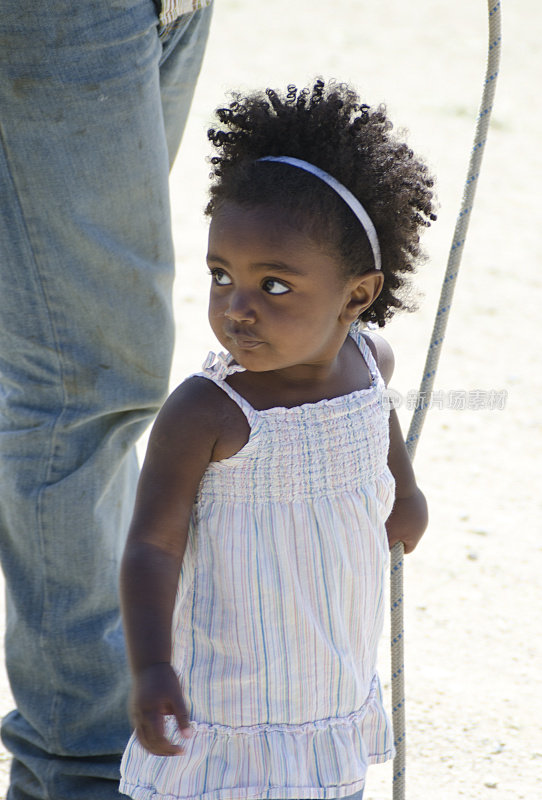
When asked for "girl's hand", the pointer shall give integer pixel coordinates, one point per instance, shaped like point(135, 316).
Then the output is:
point(407, 521)
point(157, 693)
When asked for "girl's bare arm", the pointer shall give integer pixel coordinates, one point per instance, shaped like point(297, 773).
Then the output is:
point(180, 448)
point(408, 519)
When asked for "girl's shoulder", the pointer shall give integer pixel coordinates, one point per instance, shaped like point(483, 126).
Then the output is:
point(201, 406)
point(382, 354)
point(195, 398)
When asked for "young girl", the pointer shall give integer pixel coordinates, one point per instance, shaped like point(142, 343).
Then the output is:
point(254, 573)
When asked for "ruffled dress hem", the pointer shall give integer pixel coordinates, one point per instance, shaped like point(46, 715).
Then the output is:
point(278, 762)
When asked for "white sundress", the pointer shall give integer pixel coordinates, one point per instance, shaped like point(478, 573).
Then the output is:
point(280, 608)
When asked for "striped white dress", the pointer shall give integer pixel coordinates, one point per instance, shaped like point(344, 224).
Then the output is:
point(280, 609)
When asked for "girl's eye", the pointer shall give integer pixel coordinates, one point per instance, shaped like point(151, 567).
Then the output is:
point(273, 286)
point(220, 277)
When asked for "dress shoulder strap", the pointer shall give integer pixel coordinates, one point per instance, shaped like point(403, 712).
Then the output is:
point(216, 368)
point(357, 335)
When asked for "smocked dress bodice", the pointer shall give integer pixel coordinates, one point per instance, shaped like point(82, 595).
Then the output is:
point(280, 607)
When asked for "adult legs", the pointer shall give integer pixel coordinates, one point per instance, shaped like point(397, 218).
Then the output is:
point(86, 334)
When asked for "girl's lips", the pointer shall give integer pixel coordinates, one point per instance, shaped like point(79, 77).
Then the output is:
point(242, 339)
point(245, 343)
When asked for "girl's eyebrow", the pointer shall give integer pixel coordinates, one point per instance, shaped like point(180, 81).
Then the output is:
point(275, 266)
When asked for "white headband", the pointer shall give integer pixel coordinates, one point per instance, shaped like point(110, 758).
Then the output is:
point(351, 201)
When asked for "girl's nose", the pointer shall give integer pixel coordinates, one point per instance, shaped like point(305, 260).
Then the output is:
point(240, 308)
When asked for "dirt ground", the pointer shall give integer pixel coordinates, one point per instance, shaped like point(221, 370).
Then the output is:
point(472, 588)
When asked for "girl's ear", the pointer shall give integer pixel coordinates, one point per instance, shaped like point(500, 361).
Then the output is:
point(364, 289)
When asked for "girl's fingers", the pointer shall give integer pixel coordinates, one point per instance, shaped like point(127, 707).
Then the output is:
point(150, 731)
point(181, 715)
point(151, 735)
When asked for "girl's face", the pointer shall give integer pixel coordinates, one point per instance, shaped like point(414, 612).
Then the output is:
point(278, 300)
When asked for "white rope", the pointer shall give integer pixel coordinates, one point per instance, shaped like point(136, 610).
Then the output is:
point(428, 378)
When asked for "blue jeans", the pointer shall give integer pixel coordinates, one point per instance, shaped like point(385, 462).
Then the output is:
point(93, 103)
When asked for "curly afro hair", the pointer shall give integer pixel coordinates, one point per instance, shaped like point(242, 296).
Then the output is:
point(328, 126)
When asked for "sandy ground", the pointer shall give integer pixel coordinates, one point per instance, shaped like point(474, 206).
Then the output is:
point(474, 652)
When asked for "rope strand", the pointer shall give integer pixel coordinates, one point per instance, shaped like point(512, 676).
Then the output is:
point(426, 385)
